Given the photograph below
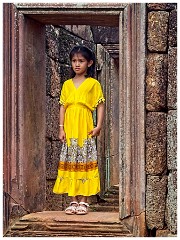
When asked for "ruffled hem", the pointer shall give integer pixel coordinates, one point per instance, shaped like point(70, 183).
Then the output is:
point(80, 184)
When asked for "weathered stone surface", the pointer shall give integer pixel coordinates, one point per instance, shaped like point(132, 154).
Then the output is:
point(164, 233)
point(65, 44)
point(51, 42)
point(172, 79)
point(55, 119)
point(64, 72)
point(56, 74)
point(161, 6)
point(156, 156)
point(52, 118)
point(58, 224)
point(60, 41)
point(156, 125)
point(155, 201)
point(67, 41)
point(52, 78)
point(16, 212)
point(156, 82)
point(82, 31)
point(48, 150)
point(105, 34)
point(173, 28)
point(171, 204)
point(172, 140)
point(52, 161)
point(48, 116)
point(155, 143)
point(56, 149)
point(132, 221)
point(54, 202)
point(157, 31)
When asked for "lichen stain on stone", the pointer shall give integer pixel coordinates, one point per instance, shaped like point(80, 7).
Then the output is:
point(151, 81)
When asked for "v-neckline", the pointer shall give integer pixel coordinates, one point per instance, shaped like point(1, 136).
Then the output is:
point(79, 85)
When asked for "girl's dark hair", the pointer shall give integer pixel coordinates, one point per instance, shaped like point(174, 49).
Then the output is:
point(88, 55)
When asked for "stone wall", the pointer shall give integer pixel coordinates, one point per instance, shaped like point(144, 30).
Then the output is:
point(161, 108)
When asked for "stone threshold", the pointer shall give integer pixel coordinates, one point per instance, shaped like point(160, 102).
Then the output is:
point(111, 217)
point(57, 223)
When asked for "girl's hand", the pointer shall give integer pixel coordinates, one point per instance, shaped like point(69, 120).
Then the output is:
point(62, 135)
point(95, 132)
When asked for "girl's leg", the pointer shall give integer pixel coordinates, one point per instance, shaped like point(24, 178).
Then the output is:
point(74, 199)
point(83, 206)
point(83, 199)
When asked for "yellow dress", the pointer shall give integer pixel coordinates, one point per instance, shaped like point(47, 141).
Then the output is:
point(78, 166)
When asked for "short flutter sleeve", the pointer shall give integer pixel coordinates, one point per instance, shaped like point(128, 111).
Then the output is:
point(62, 99)
point(98, 96)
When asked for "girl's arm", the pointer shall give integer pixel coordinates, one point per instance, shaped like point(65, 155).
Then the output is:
point(62, 135)
point(100, 116)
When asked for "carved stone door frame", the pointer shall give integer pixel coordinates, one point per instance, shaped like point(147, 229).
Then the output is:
point(132, 178)
point(24, 100)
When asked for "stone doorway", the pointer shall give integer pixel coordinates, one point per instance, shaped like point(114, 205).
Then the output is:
point(24, 168)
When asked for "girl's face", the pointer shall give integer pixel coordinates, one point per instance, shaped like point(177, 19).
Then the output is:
point(80, 64)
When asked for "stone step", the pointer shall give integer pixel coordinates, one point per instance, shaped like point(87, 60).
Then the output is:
point(104, 208)
point(54, 224)
point(107, 202)
point(65, 234)
point(111, 195)
point(67, 226)
point(113, 191)
point(69, 229)
point(115, 187)
point(110, 201)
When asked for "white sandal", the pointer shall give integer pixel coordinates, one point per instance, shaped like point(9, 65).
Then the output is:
point(82, 208)
point(71, 210)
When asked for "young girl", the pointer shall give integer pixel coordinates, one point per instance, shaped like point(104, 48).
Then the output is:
point(78, 168)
